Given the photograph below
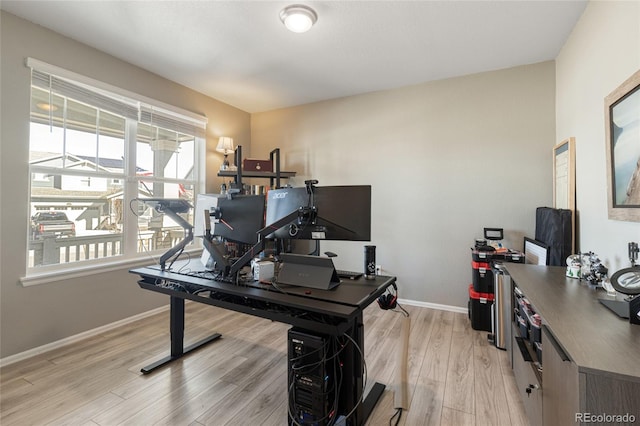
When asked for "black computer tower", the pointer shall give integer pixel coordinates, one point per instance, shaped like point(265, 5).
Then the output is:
point(312, 372)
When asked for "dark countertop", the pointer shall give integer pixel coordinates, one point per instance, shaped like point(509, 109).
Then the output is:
point(595, 338)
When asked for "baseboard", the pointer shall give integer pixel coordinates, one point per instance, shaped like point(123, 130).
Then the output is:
point(434, 306)
point(77, 337)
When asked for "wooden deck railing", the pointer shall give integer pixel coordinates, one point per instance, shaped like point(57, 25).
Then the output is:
point(52, 250)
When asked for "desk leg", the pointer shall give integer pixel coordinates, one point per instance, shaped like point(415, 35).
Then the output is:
point(354, 369)
point(371, 400)
point(176, 328)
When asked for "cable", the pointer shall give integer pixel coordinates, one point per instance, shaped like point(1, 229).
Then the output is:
point(404, 311)
point(364, 375)
point(399, 414)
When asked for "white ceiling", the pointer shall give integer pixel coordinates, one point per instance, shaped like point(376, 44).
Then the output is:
point(240, 53)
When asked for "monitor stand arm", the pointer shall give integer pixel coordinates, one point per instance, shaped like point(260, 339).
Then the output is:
point(259, 246)
point(188, 237)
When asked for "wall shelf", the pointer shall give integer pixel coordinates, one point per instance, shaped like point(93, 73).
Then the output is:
point(273, 176)
point(232, 173)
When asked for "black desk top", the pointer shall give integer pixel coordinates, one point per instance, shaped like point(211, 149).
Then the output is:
point(345, 300)
point(595, 338)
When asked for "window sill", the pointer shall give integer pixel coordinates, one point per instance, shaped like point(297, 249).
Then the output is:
point(89, 270)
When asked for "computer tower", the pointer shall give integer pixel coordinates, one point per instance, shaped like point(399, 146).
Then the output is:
point(312, 378)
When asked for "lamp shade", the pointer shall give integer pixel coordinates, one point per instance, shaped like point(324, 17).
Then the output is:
point(225, 145)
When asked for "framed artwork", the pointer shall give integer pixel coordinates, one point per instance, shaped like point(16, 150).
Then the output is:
point(564, 175)
point(564, 181)
point(622, 121)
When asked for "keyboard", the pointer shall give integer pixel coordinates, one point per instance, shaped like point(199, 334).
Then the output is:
point(349, 274)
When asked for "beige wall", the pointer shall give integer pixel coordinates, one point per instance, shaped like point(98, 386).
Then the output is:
point(445, 160)
point(602, 52)
point(33, 316)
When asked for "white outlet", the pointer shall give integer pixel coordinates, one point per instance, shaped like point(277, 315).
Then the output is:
point(378, 269)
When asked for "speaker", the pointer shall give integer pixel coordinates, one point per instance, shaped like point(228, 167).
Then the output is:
point(370, 262)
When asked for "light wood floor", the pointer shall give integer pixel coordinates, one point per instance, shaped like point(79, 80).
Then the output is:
point(455, 376)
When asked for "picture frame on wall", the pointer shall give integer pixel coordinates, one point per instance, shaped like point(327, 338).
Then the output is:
point(622, 122)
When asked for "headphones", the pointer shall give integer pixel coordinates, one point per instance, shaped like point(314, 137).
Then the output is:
point(389, 300)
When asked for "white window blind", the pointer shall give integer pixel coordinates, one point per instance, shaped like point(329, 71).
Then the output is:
point(90, 96)
point(157, 117)
point(118, 101)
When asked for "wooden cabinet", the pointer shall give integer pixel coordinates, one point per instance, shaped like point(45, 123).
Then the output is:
point(560, 378)
point(590, 358)
point(527, 381)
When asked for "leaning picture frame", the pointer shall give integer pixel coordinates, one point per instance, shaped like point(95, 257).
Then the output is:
point(622, 122)
point(564, 180)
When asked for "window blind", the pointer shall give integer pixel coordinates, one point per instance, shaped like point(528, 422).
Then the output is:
point(167, 120)
point(68, 84)
point(83, 94)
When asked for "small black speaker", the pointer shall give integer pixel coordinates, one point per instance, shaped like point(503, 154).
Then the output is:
point(370, 262)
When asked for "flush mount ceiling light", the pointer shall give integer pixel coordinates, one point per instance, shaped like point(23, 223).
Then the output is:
point(298, 18)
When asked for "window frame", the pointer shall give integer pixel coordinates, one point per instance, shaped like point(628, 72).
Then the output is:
point(147, 108)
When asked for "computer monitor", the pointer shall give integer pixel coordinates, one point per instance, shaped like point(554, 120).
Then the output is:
point(236, 218)
point(535, 252)
point(322, 213)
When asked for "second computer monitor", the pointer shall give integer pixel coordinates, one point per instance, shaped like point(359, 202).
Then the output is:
point(324, 212)
point(237, 218)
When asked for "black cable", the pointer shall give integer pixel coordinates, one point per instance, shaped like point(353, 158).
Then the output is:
point(404, 311)
point(399, 414)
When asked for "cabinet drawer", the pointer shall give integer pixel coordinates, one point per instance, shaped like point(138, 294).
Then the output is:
point(529, 388)
point(560, 378)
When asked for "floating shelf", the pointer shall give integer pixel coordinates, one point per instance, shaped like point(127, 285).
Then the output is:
point(274, 176)
point(232, 173)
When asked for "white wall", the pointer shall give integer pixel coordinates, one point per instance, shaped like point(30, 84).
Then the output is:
point(602, 52)
point(445, 160)
point(37, 315)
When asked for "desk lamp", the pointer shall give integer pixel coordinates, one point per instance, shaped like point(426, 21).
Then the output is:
point(225, 146)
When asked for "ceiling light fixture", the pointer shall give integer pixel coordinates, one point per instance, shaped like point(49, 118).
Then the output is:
point(298, 18)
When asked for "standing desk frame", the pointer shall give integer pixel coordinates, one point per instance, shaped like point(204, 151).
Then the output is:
point(315, 311)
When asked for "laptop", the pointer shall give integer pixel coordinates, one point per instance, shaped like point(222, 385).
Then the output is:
point(307, 271)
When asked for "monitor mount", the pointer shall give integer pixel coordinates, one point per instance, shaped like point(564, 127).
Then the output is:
point(171, 207)
point(298, 219)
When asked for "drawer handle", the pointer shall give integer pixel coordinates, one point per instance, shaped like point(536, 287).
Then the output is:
point(561, 353)
point(531, 388)
point(523, 350)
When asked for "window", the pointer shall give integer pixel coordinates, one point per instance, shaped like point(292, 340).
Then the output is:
point(94, 151)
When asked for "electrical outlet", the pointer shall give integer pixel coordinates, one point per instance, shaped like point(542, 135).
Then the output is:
point(378, 269)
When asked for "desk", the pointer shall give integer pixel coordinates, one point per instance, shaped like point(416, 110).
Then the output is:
point(336, 312)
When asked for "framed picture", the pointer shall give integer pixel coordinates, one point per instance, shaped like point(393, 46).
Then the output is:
point(622, 121)
point(564, 181)
point(564, 175)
